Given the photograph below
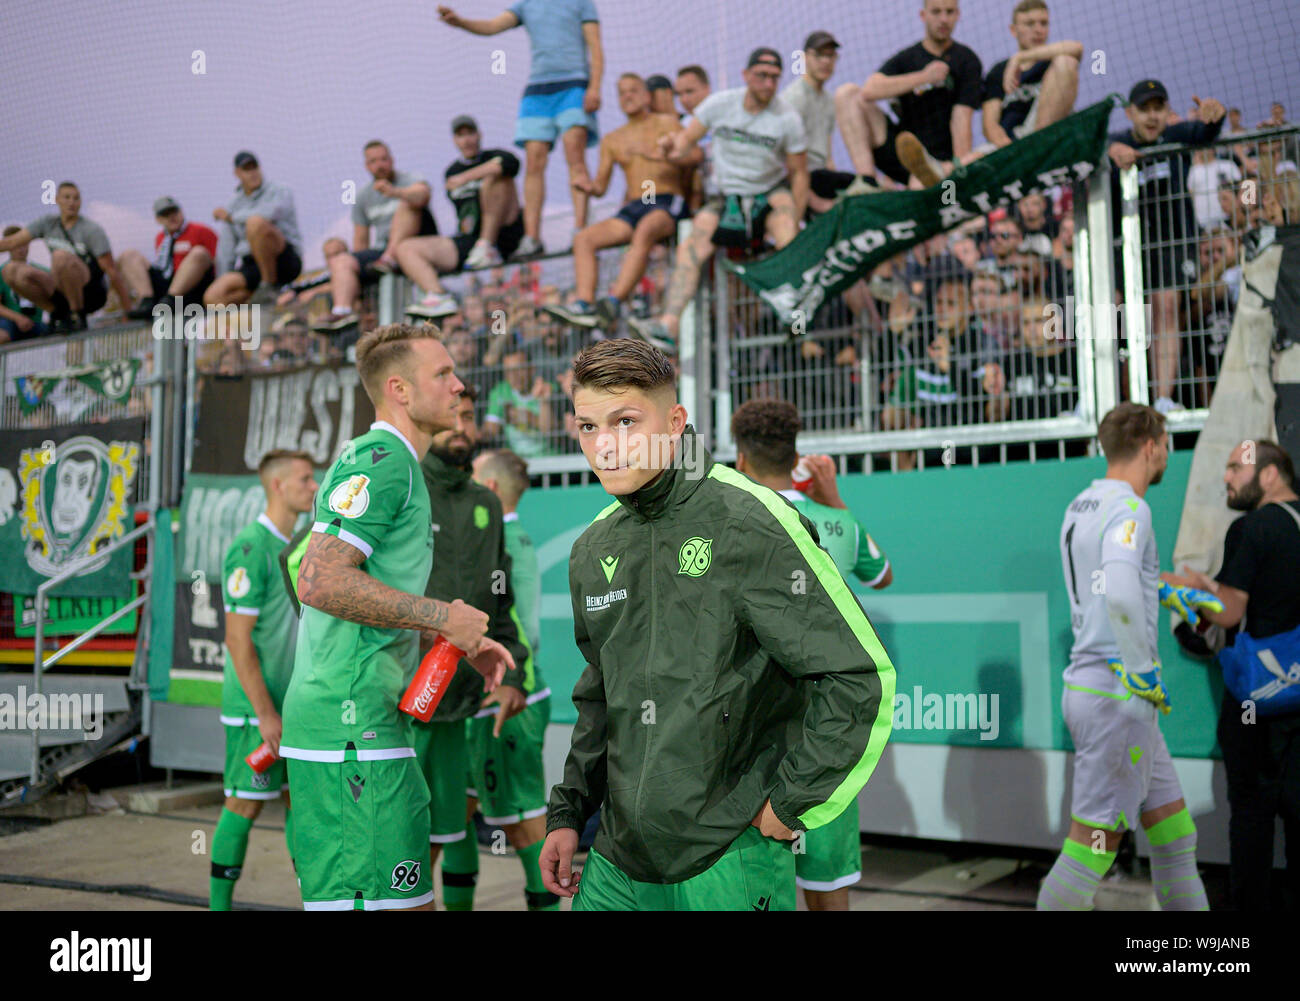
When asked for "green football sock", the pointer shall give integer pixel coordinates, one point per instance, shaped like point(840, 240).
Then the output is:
point(460, 871)
point(535, 892)
point(1072, 882)
point(1177, 884)
point(229, 846)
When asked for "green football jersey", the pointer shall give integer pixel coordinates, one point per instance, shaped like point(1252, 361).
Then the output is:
point(524, 441)
point(250, 585)
point(848, 543)
point(526, 584)
point(348, 678)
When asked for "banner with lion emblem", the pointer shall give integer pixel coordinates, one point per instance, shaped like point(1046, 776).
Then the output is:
point(65, 494)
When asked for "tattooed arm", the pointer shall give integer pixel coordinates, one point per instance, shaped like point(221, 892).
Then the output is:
point(331, 580)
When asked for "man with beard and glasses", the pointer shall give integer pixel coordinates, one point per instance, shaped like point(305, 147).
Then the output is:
point(1260, 592)
point(472, 562)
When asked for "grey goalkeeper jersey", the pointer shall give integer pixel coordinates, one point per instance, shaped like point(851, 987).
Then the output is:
point(1111, 566)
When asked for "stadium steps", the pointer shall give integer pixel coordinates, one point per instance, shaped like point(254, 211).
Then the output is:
point(63, 751)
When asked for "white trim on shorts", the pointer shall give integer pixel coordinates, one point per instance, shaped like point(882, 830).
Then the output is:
point(386, 904)
point(446, 839)
point(240, 794)
point(516, 818)
point(330, 757)
point(356, 542)
point(239, 720)
point(817, 886)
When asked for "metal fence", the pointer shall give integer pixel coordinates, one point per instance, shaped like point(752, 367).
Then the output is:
point(1180, 216)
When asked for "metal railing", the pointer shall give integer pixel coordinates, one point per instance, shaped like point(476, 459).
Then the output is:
point(40, 662)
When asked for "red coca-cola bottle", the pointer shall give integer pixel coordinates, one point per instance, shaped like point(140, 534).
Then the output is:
point(431, 680)
point(262, 759)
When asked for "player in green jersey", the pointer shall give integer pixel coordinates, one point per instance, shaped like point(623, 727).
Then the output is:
point(261, 628)
point(507, 772)
point(362, 832)
point(764, 432)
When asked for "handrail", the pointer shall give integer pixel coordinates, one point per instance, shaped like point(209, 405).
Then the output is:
point(40, 600)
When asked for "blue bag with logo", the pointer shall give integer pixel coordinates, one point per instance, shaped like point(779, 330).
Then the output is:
point(1265, 671)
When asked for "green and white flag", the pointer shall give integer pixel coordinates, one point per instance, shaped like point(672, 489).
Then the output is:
point(861, 232)
point(112, 380)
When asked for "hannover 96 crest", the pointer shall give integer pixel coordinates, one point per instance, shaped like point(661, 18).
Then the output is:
point(74, 498)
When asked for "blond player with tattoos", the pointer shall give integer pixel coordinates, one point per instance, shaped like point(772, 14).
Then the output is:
point(362, 831)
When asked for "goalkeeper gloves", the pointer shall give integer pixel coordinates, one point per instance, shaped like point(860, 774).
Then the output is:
point(1186, 600)
point(1145, 685)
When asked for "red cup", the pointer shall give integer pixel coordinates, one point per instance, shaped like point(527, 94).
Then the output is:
point(431, 680)
point(262, 759)
point(802, 477)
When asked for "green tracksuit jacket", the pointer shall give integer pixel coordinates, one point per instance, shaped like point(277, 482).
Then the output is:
point(727, 662)
point(470, 562)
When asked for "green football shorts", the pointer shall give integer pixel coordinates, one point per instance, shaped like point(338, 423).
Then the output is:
point(505, 773)
point(361, 833)
point(241, 781)
point(832, 854)
point(443, 756)
point(756, 874)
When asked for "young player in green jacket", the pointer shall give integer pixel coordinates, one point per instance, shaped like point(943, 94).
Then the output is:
point(735, 692)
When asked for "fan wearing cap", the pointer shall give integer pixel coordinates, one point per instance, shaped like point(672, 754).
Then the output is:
point(808, 96)
point(261, 246)
point(760, 169)
point(1167, 213)
point(661, 95)
point(489, 222)
point(395, 204)
point(933, 87)
point(184, 252)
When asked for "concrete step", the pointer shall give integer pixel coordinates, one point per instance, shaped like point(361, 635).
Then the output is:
point(157, 798)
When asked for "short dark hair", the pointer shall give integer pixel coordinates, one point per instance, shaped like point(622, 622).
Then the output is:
point(1127, 428)
point(67, 184)
point(470, 392)
point(385, 348)
point(695, 70)
point(1025, 6)
point(625, 363)
point(765, 431)
point(277, 456)
point(373, 143)
point(509, 469)
point(1270, 453)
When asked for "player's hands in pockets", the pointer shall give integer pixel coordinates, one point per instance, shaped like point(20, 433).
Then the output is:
point(556, 862)
point(1144, 684)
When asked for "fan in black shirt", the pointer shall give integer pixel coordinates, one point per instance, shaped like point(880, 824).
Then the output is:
point(1167, 216)
point(1259, 582)
point(1035, 87)
point(933, 87)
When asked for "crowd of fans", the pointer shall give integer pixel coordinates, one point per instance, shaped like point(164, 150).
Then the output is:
point(971, 326)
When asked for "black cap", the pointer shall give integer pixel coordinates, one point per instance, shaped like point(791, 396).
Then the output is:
point(820, 40)
point(463, 122)
point(764, 55)
point(658, 82)
point(245, 159)
point(1145, 90)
